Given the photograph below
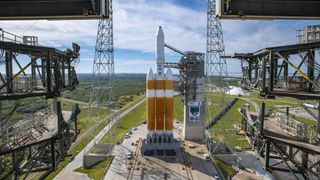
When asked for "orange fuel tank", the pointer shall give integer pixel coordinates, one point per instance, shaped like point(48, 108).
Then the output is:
point(150, 87)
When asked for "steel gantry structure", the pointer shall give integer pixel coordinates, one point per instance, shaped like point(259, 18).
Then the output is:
point(267, 9)
point(54, 68)
point(102, 93)
point(31, 70)
point(215, 65)
point(53, 9)
point(268, 71)
point(281, 142)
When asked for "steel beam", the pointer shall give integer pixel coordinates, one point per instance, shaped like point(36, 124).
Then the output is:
point(284, 170)
point(267, 154)
point(15, 165)
point(267, 9)
point(272, 68)
point(53, 9)
point(9, 71)
point(264, 74)
point(310, 68)
point(51, 70)
point(280, 152)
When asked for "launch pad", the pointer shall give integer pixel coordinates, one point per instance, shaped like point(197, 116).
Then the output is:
point(188, 163)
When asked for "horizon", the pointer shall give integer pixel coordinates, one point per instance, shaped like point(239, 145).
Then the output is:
point(184, 24)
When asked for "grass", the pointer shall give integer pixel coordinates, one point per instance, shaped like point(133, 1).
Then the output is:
point(136, 99)
point(124, 85)
point(226, 122)
point(224, 168)
point(85, 137)
point(76, 148)
point(218, 100)
point(96, 172)
point(273, 103)
point(133, 118)
point(177, 108)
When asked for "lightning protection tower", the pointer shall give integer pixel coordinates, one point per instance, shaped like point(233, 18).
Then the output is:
point(102, 92)
point(215, 66)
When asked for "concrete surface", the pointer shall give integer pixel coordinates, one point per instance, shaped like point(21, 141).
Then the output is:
point(97, 153)
point(141, 167)
point(249, 160)
point(255, 105)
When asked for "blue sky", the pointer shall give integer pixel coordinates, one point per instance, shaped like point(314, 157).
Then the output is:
point(135, 26)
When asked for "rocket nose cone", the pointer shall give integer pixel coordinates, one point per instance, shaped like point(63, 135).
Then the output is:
point(150, 74)
point(160, 32)
point(169, 74)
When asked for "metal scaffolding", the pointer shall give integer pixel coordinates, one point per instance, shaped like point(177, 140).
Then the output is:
point(102, 93)
point(281, 146)
point(308, 34)
point(268, 71)
point(43, 137)
point(215, 65)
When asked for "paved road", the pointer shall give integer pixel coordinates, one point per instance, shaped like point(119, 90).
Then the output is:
point(255, 105)
point(68, 172)
point(74, 101)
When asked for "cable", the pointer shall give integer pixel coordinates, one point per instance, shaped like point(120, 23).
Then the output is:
point(29, 27)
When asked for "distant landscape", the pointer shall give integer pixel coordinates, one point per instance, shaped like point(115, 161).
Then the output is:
point(124, 85)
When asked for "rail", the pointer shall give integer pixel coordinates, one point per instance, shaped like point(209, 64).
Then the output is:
point(186, 162)
point(10, 37)
point(174, 49)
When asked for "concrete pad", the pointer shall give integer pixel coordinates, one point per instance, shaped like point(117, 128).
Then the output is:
point(143, 167)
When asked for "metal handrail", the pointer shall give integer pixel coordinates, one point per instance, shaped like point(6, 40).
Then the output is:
point(9, 37)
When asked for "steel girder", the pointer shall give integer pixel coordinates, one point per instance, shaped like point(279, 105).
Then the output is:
point(268, 69)
point(54, 68)
point(53, 9)
point(267, 9)
point(278, 154)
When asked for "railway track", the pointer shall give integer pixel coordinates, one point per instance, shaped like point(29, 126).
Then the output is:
point(186, 162)
point(135, 161)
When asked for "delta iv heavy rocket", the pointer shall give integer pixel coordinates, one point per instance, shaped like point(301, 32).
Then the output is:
point(160, 98)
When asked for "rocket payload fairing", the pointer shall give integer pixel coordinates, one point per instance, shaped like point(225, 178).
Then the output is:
point(160, 98)
point(160, 52)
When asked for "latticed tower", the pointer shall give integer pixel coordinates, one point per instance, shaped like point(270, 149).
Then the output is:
point(215, 66)
point(102, 93)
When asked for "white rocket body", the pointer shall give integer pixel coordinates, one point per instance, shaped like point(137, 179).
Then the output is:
point(160, 52)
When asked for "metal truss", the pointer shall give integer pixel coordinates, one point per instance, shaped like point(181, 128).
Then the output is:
point(266, 9)
point(53, 67)
point(52, 9)
point(102, 93)
point(31, 70)
point(267, 71)
point(280, 152)
point(43, 153)
point(215, 65)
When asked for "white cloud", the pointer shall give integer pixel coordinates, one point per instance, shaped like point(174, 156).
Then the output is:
point(135, 26)
point(55, 33)
point(136, 23)
point(133, 65)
